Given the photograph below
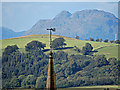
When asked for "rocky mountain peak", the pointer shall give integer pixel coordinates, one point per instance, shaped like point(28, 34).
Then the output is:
point(63, 14)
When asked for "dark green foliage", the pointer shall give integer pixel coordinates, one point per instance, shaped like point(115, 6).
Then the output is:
point(60, 55)
point(77, 49)
point(58, 43)
point(89, 46)
point(106, 40)
point(29, 70)
point(30, 81)
point(34, 45)
point(41, 82)
point(64, 44)
point(10, 49)
point(97, 40)
point(100, 60)
point(81, 71)
point(21, 78)
point(77, 37)
point(100, 40)
point(84, 51)
point(113, 61)
point(87, 49)
point(117, 41)
point(91, 39)
point(23, 64)
point(14, 83)
point(112, 41)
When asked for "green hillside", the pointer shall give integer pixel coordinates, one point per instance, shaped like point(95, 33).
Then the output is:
point(28, 69)
point(108, 49)
point(111, 87)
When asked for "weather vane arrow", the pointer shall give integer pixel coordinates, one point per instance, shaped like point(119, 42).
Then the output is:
point(51, 29)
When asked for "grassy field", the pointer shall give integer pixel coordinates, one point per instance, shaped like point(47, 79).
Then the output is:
point(104, 87)
point(109, 49)
point(111, 87)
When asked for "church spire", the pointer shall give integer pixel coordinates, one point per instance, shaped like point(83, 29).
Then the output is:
point(51, 84)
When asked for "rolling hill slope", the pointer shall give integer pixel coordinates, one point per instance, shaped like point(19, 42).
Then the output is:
point(109, 49)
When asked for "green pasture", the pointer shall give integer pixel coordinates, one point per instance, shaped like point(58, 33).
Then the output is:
point(104, 87)
point(109, 49)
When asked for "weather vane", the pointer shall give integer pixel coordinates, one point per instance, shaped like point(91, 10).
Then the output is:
point(51, 83)
point(51, 29)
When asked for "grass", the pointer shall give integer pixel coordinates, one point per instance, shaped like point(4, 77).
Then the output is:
point(104, 87)
point(111, 87)
point(109, 49)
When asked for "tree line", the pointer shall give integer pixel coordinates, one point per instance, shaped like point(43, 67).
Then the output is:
point(100, 40)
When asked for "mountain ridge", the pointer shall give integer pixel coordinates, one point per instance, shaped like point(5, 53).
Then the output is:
point(9, 33)
point(85, 24)
point(63, 14)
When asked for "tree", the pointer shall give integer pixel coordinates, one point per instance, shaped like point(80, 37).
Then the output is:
point(112, 61)
point(100, 40)
point(100, 60)
point(64, 44)
point(106, 40)
point(34, 45)
point(84, 51)
point(10, 49)
point(77, 37)
point(91, 39)
point(117, 41)
point(43, 45)
point(77, 49)
point(21, 77)
point(97, 40)
point(60, 55)
point(58, 42)
point(40, 82)
point(87, 49)
point(30, 80)
point(112, 41)
point(14, 83)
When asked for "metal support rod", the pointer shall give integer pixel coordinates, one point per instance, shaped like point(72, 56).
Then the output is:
point(51, 29)
point(50, 40)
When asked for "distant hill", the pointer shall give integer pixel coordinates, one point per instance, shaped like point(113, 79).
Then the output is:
point(85, 24)
point(8, 33)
